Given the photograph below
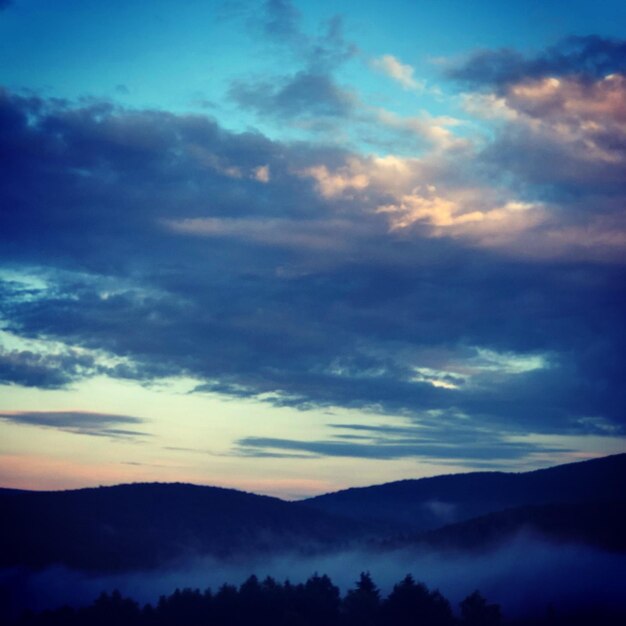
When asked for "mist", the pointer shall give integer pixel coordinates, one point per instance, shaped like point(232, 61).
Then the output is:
point(524, 576)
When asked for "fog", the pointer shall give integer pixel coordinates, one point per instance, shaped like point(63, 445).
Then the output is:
point(524, 576)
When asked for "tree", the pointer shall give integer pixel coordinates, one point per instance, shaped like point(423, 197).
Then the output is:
point(476, 612)
point(111, 609)
point(319, 601)
point(361, 606)
point(412, 604)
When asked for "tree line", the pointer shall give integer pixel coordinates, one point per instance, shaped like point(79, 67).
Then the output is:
point(316, 602)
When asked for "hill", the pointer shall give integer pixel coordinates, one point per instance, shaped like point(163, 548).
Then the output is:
point(145, 525)
point(139, 526)
point(597, 524)
point(429, 503)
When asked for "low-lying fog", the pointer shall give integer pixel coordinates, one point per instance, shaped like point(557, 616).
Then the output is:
point(524, 576)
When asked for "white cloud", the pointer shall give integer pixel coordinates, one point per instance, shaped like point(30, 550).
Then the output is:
point(331, 184)
point(400, 72)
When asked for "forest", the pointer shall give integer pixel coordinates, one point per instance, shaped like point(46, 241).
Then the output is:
point(316, 602)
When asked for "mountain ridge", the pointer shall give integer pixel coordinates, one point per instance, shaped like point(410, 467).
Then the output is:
point(145, 525)
point(425, 503)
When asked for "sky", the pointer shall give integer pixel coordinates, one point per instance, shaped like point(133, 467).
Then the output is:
point(291, 247)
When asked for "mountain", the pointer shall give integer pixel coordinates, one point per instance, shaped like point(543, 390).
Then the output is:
point(598, 524)
point(145, 525)
point(138, 526)
point(429, 503)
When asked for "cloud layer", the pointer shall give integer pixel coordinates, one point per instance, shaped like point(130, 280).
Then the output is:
point(477, 287)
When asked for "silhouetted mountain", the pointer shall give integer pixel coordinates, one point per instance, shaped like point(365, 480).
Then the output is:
point(143, 525)
point(429, 503)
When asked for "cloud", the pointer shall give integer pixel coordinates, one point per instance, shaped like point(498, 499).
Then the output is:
point(434, 132)
point(306, 93)
point(404, 447)
point(592, 57)
point(47, 371)
point(78, 422)
point(262, 173)
point(312, 276)
point(311, 91)
point(560, 132)
point(466, 216)
point(332, 184)
point(281, 19)
point(279, 22)
point(571, 132)
point(400, 72)
point(319, 235)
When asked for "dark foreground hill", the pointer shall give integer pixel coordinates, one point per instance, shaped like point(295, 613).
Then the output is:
point(429, 503)
point(145, 525)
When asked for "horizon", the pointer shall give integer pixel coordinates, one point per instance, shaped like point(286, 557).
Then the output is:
point(303, 498)
point(291, 248)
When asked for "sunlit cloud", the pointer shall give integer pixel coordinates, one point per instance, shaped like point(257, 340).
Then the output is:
point(339, 182)
point(400, 72)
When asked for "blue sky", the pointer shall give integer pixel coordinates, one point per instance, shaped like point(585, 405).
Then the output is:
point(289, 247)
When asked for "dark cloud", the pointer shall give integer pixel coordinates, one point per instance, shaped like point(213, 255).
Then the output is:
point(281, 19)
point(306, 94)
point(279, 22)
point(395, 449)
point(46, 371)
point(82, 423)
point(310, 92)
point(258, 453)
point(589, 56)
point(163, 250)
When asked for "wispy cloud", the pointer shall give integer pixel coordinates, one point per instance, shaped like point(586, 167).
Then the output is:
point(397, 443)
point(400, 72)
point(305, 94)
point(79, 422)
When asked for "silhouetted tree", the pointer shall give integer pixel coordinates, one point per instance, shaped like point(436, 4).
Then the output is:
point(186, 606)
point(260, 604)
point(475, 611)
point(411, 604)
point(320, 601)
point(111, 609)
point(316, 602)
point(361, 606)
point(225, 604)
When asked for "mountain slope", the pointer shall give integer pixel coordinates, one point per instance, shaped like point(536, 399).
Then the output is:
point(144, 525)
point(598, 524)
point(148, 525)
point(428, 503)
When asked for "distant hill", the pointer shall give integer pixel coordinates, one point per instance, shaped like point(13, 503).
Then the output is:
point(598, 524)
point(144, 525)
point(428, 503)
point(140, 526)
